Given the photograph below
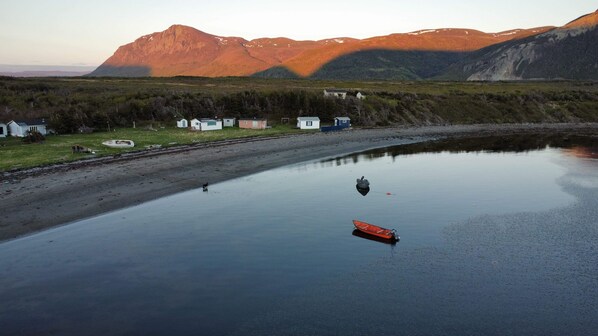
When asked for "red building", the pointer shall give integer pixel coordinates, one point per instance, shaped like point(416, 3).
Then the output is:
point(253, 123)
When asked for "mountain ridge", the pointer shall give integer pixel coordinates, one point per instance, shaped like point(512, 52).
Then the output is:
point(186, 51)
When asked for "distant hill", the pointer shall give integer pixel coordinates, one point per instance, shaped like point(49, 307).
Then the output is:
point(44, 70)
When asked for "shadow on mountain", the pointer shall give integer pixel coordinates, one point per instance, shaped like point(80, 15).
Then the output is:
point(379, 64)
point(276, 72)
point(121, 71)
point(388, 65)
point(557, 54)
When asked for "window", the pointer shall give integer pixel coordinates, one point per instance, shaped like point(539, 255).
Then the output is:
point(1, 130)
point(211, 123)
point(309, 123)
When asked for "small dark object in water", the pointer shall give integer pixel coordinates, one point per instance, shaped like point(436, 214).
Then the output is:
point(363, 183)
point(205, 186)
point(363, 191)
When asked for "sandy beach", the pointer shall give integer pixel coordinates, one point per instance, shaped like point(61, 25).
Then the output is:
point(38, 199)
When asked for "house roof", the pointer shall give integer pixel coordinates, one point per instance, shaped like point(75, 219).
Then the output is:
point(253, 119)
point(343, 118)
point(308, 119)
point(31, 122)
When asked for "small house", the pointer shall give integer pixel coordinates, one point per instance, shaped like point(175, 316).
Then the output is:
point(308, 122)
point(253, 123)
point(344, 122)
point(360, 95)
point(228, 122)
point(3, 130)
point(336, 93)
point(195, 124)
point(183, 123)
point(206, 124)
point(340, 123)
point(19, 128)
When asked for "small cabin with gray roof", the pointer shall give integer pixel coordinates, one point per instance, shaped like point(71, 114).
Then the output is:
point(3, 130)
point(308, 122)
point(19, 128)
point(344, 122)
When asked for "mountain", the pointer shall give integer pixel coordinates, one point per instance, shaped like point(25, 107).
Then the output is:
point(568, 52)
point(185, 51)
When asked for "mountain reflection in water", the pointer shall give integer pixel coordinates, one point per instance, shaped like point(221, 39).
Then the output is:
point(578, 145)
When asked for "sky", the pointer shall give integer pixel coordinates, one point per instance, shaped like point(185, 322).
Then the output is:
point(87, 32)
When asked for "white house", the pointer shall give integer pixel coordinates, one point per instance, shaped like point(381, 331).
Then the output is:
point(3, 130)
point(19, 128)
point(308, 122)
point(206, 124)
point(195, 124)
point(183, 123)
point(228, 122)
point(335, 93)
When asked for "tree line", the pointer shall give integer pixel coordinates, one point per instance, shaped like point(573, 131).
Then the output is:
point(101, 106)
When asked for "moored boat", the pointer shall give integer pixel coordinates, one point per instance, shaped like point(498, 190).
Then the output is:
point(374, 230)
point(119, 143)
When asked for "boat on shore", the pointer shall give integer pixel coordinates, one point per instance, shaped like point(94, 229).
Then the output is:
point(119, 143)
point(374, 230)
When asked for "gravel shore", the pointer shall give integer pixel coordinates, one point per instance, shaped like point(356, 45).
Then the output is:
point(38, 199)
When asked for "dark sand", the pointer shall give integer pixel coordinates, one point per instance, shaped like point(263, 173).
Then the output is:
point(38, 199)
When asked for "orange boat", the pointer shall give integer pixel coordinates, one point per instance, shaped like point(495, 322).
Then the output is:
point(375, 230)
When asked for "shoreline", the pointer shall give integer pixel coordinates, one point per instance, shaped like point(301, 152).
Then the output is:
point(38, 199)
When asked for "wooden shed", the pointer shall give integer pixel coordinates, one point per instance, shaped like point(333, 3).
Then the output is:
point(253, 123)
point(308, 122)
point(183, 123)
point(342, 122)
point(228, 122)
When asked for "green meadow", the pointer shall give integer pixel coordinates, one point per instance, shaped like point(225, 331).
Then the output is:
point(15, 154)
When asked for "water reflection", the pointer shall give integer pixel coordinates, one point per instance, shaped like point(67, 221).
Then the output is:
point(364, 235)
point(578, 145)
point(493, 242)
point(583, 152)
point(362, 191)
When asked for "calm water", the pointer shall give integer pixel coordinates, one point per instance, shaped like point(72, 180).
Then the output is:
point(498, 237)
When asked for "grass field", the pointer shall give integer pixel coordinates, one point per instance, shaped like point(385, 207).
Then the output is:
point(15, 154)
point(69, 103)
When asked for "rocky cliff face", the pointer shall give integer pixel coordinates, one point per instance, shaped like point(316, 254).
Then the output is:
point(569, 52)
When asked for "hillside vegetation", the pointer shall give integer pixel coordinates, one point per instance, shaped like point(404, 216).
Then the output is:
point(116, 102)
